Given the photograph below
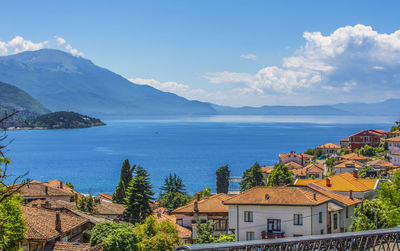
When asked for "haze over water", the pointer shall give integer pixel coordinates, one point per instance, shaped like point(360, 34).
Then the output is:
point(193, 147)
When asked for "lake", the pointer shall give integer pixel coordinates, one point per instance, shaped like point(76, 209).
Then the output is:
point(193, 148)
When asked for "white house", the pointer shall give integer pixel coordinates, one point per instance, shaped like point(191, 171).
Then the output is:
point(394, 144)
point(270, 212)
point(395, 158)
point(301, 159)
point(329, 149)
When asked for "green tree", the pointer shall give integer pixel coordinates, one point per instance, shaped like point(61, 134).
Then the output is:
point(205, 232)
point(69, 184)
point(280, 175)
point(310, 151)
point(121, 239)
point(330, 163)
point(252, 177)
point(374, 214)
point(12, 223)
point(206, 192)
point(173, 193)
point(225, 238)
point(101, 231)
point(223, 174)
point(86, 204)
point(138, 198)
point(390, 191)
point(125, 179)
point(317, 152)
point(155, 235)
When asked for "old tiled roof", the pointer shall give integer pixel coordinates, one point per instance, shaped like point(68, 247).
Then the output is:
point(349, 164)
point(267, 169)
point(307, 156)
point(41, 223)
point(355, 156)
point(293, 165)
point(106, 196)
point(304, 182)
point(212, 204)
point(283, 155)
point(38, 189)
point(395, 139)
point(278, 196)
point(345, 140)
point(71, 246)
point(329, 146)
point(343, 182)
point(314, 168)
point(377, 132)
point(396, 153)
point(58, 184)
point(379, 162)
point(109, 208)
point(183, 232)
point(338, 197)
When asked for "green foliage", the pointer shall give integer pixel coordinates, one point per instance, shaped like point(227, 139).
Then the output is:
point(86, 204)
point(121, 239)
point(330, 163)
point(280, 175)
point(173, 194)
point(344, 151)
point(65, 120)
point(153, 235)
point(69, 184)
point(378, 152)
point(101, 231)
point(124, 181)
point(205, 232)
point(12, 223)
point(223, 174)
point(206, 192)
point(317, 153)
point(374, 214)
point(225, 238)
point(138, 198)
point(390, 191)
point(310, 151)
point(252, 177)
point(363, 172)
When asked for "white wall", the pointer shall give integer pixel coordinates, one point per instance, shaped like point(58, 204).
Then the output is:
point(261, 214)
point(395, 160)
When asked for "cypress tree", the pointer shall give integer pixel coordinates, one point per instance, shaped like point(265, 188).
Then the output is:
point(138, 197)
point(125, 179)
point(223, 174)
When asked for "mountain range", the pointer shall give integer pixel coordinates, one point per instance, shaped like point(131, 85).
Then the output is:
point(58, 81)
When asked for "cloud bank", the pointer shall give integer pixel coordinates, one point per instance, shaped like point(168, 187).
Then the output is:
point(19, 44)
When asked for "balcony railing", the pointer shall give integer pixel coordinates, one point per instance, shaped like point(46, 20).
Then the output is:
point(382, 239)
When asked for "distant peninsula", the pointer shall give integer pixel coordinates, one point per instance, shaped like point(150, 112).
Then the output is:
point(62, 120)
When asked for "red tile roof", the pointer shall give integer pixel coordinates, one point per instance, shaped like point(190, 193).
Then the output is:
point(395, 139)
point(329, 146)
point(212, 204)
point(71, 246)
point(106, 196)
point(267, 169)
point(183, 232)
point(355, 156)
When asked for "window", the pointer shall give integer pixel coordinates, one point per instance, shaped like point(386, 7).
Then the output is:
point(249, 236)
point(347, 212)
point(248, 216)
point(298, 219)
point(335, 221)
point(179, 222)
point(320, 217)
point(322, 231)
point(220, 224)
point(274, 225)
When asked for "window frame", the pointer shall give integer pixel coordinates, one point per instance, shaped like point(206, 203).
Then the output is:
point(248, 216)
point(298, 219)
point(251, 235)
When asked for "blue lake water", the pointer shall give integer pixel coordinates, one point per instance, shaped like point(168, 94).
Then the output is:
point(193, 148)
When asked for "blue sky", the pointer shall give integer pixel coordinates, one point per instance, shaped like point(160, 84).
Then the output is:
point(227, 52)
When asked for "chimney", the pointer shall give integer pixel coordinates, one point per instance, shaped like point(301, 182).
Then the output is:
point(47, 204)
point(46, 190)
point(196, 206)
point(328, 182)
point(61, 185)
point(355, 173)
point(198, 196)
point(315, 196)
point(58, 222)
point(28, 182)
point(351, 194)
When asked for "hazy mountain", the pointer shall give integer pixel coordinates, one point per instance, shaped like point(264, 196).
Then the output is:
point(13, 98)
point(64, 82)
point(388, 107)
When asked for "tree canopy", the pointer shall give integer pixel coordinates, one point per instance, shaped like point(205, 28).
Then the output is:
point(125, 179)
point(252, 177)
point(173, 193)
point(280, 175)
point(223, 174)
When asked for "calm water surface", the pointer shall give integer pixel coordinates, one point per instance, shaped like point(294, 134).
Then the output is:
point(193, 148)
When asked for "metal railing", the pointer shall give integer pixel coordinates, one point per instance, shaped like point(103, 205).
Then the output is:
point(381, 239)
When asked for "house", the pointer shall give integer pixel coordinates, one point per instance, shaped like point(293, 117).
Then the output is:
point(329, 149)
point(371, 137)
point(266, 170)
point(345, 184)
point(395, 158)
point(394, 144)
point(344, 143)
point(45, 227)
point(71, 246)
point(301, 159)
point(311, 170)
point(340, 209)
point(396, 133)
point(60, 185)
point(380, 164)
point(105, 197)
point(348, 166)
point(204, 209)
point(35, 190)
point(293, 165)
point(269, 212)
point(355, 157)
point(184, 233)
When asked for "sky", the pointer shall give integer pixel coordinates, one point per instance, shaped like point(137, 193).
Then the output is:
point(236, 52)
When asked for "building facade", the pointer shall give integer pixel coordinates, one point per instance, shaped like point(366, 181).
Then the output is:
point(373, 137)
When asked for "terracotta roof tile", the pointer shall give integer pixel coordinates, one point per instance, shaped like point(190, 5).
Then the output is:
point(355, 156)
point(380, 163)
point(349, 164)
point(267, 169)
point(60, 185)
point(106, 196)
point(329, 146)
point(304, 182)
point(278, 196)
point(212, 204)
point(396, 153)
point(38, 189)
point(71, 246)
point(395, 139)
point(293, 165)
point(335, 196)
point(41, 223)
point(183, 232)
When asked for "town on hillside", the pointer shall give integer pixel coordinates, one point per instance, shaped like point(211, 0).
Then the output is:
point(350, 185)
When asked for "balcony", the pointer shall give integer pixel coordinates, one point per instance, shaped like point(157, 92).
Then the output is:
point(272, 235)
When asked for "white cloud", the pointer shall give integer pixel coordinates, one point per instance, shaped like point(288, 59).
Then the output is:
point(352, 59)
point(19, 44)
point(169, 86)
point(249, 56)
